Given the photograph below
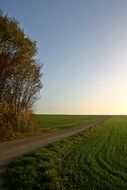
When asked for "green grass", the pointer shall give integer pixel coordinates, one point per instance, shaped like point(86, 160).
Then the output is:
point(55, 122)
point(93, 160)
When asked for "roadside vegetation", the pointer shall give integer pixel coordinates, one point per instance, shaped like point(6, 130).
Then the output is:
point(95, 159)
point(20, 79)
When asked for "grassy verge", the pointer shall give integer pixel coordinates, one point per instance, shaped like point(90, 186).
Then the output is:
point(95, 159)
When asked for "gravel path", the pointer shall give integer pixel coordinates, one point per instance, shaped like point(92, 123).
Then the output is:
point(13, 149)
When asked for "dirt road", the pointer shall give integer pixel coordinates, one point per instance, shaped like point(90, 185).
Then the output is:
point(16, 148)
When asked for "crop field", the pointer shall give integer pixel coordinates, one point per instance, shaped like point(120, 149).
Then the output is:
point(55, 122)
point(95, 159)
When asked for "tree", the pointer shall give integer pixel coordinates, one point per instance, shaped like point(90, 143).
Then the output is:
point(20, 73)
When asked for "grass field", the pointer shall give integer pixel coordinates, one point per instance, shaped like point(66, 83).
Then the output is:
point(55, 122)
point(93, 160)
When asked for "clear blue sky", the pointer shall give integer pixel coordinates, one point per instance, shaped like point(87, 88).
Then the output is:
point(83, 46)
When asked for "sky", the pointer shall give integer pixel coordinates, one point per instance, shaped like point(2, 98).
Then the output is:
point(83, 47)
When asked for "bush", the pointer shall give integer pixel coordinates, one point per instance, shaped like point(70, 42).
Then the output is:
point(13, 125)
